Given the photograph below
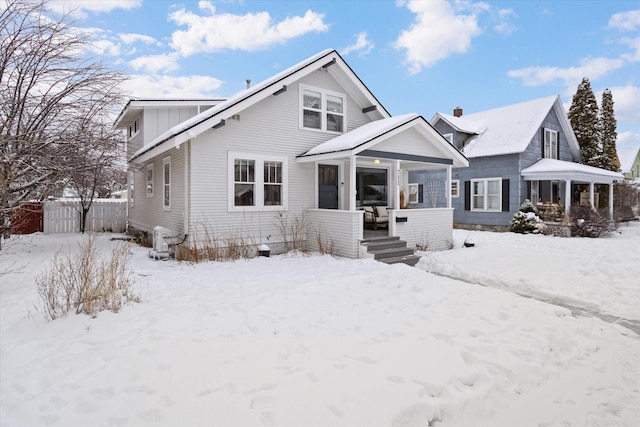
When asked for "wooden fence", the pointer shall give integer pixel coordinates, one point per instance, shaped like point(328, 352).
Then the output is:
point(63, 216)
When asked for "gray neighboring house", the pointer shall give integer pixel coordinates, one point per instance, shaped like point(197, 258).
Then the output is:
point(517, 152)
point(310, 141)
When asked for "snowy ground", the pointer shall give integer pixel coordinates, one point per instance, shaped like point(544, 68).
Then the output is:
point(318, 341)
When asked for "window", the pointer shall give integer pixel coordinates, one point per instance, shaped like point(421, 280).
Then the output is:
point(455, 188)
point(166, 183)
point(132, 178)
point(535, 192)
point(550, 144)
point(149, 175)
point(134, 128)
point(257, 182)
point(486, 194)
point(414, 193)
point(371, 186)
point(321, 110)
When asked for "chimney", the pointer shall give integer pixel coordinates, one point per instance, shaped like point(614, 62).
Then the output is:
point(248, 81)
point(457, 112)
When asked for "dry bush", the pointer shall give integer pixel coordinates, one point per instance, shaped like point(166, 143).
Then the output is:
point(326, 243)
point(207, 245)
point(292, 230)
point(86, 282)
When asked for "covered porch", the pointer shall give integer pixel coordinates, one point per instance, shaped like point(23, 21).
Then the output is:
point(369, 168)
point(558, 183)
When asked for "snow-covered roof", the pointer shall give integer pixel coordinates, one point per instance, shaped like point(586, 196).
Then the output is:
point(552, 169)
point(200, 123)
point(509, 129)
point(370, 134)
point(627, 157)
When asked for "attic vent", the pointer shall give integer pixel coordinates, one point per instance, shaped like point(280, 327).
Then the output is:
point(235, 117)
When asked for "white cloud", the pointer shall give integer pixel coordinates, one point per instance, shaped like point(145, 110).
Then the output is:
point(437, 33)
point(628, 139)
point(138, 38)
point(105, 47)
point(593, 68)
point(78, 7)
point(626, 100)
point(504, 26)
point(625, 21)
point(164, 86)
point(634, 44)
point(253, 31)
point(156, 63)
point(362, 45)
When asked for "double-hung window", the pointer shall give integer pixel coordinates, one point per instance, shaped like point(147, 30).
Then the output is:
point(149, 177)
point(455, 188)
point(322, 110)
point(486, 194)
point(550, 144)
point(257, 182)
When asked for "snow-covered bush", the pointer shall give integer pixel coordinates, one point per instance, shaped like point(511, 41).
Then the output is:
point(526, 220)
point(86, 282)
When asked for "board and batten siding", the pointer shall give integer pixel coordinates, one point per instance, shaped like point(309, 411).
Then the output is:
point(147, 212)
point(270, 127)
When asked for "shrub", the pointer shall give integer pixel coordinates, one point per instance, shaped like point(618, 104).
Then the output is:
point(588, 222)
point(86, 282)
point(526, 220)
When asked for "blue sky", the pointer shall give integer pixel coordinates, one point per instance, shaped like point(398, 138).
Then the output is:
point(422, 56)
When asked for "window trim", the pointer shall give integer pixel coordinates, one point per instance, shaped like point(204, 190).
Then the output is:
point(134, 128)
point(324, 112)
point(456, 194)
point(166, 185)
point(259, 183)
point(485, 195)
point(551, 151)
point(147, 169)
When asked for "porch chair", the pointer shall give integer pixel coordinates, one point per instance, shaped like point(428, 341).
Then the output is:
point(376, 216)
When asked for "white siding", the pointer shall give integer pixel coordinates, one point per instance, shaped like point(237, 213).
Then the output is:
point(156, 121)
point(147, 212)
point(270, 127)
point(409, 142)
point(432, 227)
point(343, 228)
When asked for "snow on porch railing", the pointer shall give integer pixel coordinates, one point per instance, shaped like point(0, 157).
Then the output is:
point(63, 216)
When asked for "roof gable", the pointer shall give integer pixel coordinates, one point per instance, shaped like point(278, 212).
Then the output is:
point(628, 157)
point(509, 129)
point(328, 59)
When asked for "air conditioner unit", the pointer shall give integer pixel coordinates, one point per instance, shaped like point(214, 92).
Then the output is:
point(161, 238)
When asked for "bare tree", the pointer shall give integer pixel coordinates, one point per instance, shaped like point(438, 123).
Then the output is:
point(49, 90)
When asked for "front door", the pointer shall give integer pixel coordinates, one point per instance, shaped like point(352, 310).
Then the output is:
point(327, 187)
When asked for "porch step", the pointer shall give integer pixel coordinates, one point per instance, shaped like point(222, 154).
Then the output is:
point(390, 250)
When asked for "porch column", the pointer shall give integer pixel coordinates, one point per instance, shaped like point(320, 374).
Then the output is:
point(352, 183)
point(396, 204)
point(591, 196)
point(448, 187)
point(611, 200)
point(567, 198)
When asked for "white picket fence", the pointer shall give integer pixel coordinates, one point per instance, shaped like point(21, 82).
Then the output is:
point(63, 216)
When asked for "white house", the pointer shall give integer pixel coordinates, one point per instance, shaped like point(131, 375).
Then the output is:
point(310, 142)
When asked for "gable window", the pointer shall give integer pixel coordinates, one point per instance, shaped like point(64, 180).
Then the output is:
point(149, 175)
point(134, 128)
point(166, 183)
point(550, 144)
point(257, 182)
point(322, 110)
point(486, 194)
point(455, 188)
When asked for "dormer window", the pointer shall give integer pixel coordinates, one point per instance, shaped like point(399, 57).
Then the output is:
point(322, 110)
point(550, 150)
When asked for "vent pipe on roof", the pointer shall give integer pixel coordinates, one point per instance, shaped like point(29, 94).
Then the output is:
point(248, 81)
point(457, 112)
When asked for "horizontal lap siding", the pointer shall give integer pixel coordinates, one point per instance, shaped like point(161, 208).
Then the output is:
point(409, 142)
point(147, 212)
point(270, 127)
point(340, 227)
point(426, 227)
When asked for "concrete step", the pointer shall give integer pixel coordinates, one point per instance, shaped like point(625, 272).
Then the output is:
point(380, 254)
point(408, 259)
point(384, 244)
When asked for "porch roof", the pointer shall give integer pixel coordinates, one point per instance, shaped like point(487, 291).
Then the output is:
point(552, 169)
point(363, 141)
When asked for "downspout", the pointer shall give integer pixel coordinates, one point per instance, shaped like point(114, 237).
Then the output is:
point(187, 186)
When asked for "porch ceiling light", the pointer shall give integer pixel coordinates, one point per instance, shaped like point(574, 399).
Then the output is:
point(376, 161)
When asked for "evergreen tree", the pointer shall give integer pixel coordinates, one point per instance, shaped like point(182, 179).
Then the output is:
point(609, 158)
point(583, 115)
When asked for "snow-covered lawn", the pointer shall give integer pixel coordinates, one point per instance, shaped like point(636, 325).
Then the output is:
point(318, 341)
